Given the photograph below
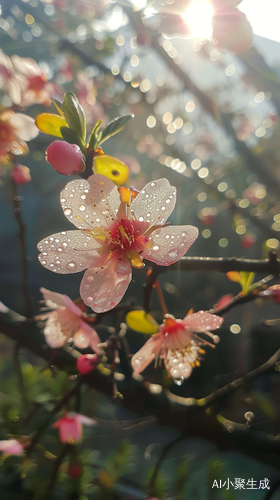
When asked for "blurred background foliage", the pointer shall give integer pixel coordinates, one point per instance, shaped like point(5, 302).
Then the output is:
point(208, 121)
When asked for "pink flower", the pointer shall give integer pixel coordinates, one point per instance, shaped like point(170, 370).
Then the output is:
point(70, 426)
point(11, 447)
point(15, 129)
point(114, 234)
point(66, 321)
point(21, 174)
point(10, 81)
point(178, 344)
point(65, 158)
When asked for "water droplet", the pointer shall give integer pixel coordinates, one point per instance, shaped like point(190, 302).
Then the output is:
point(89, 299)
point(184, 234)
point(45, 253)
point(43, 262)
point(71, 195)
point(141, 219)
point(83, 196)
point(71, 265)
point(64, 244)
point(162, 208)
point(60, 249)
point(90, 279)
point(56, 240)
point(168, 201)
point(82, 208)
point(67, 212)
point(167, 236)
point(178, 381)
point(63, 200)
point(156, 247)
point(153, 184)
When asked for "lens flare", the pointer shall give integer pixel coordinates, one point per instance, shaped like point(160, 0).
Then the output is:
point(199, 18)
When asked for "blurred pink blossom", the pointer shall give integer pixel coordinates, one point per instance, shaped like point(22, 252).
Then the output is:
point(21, 174)
point(70, 427)
point(11, 447)
point(15, 129)
point(66, 321)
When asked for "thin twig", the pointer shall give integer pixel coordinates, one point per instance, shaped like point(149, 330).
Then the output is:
point(23, 248)
point(152, 482)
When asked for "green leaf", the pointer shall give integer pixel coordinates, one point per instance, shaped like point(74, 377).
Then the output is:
point(115, 126)
point(74, 114)
point(73, 137)
point(247, 280)
point(95, 136)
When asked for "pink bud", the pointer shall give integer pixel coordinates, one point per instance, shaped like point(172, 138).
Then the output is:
point(21, 174)
point(65, 158)
point(87, 362)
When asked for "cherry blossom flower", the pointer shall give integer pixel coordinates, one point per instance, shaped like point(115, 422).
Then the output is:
point(24, 81)
point(11, 447)
point(114, 234)
point(71, 428)
point(15, 129)
point(87, 363)
point(178, 344)
point(66, 321)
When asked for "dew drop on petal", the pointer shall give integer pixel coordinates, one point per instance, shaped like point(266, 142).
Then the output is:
point(83, 196)
point(89, 299)
point(64, 244)
point(71, 265)
point(90, 279)
point(63, 200)
point(43, 262)
point(136, 363)
point(57, 240)
point(156, 247)
point(67, 211)
point(81, 340)
point(178, 381)
point(82, 208)
point(60, 249)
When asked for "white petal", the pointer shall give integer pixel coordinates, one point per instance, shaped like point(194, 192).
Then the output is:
point(155, 202)
point(25, 125)
point(68, 252)
point(103, 288)
point(83, 205)
point(26, 66)
point(169, 244)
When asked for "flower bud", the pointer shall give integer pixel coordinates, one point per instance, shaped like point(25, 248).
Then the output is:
point(87, 363)
point(65, 158)
point(21, 174)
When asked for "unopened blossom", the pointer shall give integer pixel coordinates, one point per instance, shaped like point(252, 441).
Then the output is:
point(65, 321)
point(71, 427)
point(15, 129)
point(21, 174)
point(117, 229)
point(178, 344)
point(11, 447)
point(87, 363)
point(65, 158)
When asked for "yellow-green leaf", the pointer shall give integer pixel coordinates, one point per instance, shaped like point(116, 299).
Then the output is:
point(247, 279)
point(142, 322)
point(50, 124)
point(112, 168)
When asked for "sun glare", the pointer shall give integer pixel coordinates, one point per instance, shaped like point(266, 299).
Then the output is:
point(199, 18)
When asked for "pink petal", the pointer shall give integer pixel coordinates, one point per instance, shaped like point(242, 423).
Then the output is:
point(14, 91)
point(147, 353)
point(25, 125)
point(85, 420)
point(81, 203)
point(202, 320)
point(93, 337)
point(61, 300)
point(155, 202)
point(100, 185)
point(103, 288)
point(68, 252)
point(26, 66)
point(169, 244)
